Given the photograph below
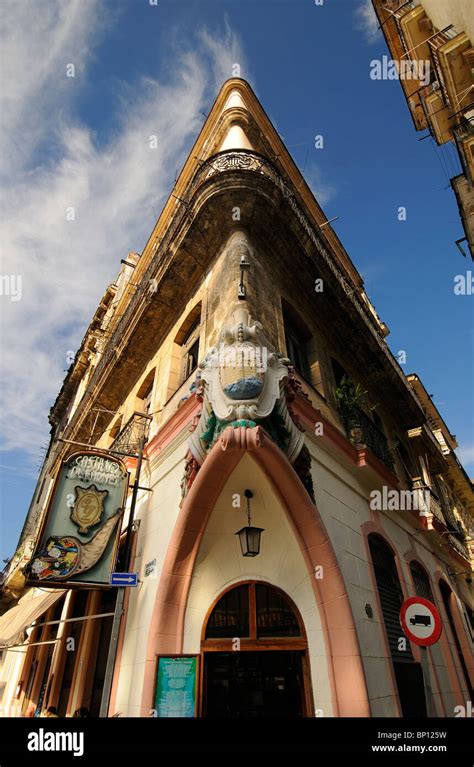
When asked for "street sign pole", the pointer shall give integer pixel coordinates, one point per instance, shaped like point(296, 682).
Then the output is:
point(109, 671)
point(128, 537)
point(421, 623)
point(425, 667)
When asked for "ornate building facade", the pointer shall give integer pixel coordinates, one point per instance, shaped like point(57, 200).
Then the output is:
point(276, 452)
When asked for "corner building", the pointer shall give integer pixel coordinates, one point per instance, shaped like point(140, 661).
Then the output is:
point(241, 333)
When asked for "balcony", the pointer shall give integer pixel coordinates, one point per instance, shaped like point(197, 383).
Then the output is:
point(363, 432)
point(463, 134)
point(450, 529)
point(129, 439)
point(418, 486)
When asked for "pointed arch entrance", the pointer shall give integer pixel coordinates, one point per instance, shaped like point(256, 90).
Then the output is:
point(254, 656)
point(346, 675)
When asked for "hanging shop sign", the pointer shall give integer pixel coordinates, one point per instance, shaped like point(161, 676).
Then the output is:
point(78, 541)
point(176, 686)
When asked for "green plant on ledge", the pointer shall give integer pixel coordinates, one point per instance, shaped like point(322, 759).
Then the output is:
point(350, 395)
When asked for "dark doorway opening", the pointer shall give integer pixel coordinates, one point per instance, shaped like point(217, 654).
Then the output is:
point(253, 684)
point(411, 689)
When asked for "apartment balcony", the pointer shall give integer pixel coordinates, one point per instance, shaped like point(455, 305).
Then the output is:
point(459, 544)
point(363, 432)
point(451, 54)
point(129, 439)
point(463, 134)
point(447, 524)
point(438, 113)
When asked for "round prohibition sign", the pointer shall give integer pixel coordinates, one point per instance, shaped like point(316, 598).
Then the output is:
point(420, 621)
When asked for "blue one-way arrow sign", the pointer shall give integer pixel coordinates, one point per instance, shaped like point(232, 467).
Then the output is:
point(124, 579)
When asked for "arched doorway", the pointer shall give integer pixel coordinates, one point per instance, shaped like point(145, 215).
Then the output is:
point(254, 656)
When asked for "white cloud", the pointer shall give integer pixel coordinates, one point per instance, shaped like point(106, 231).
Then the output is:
point(54, 162)
point(366, 21)
point(322, 189)
point(465, 453)
point(38, 41)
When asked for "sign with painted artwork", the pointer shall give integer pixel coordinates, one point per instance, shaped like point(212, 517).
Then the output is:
point(176, 686)
point(78, 541)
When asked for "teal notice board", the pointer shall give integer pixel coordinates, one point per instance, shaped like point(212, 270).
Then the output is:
point(176, 686)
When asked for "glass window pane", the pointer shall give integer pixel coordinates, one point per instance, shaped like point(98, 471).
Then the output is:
point(230, 617)
point(275, 616)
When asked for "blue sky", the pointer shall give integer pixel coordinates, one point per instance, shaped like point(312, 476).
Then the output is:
point(82, 142)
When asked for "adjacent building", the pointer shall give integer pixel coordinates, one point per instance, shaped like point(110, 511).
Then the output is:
point(289, 486)
point(431, 43)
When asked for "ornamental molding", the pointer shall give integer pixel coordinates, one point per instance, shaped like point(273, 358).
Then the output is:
point(242, 382)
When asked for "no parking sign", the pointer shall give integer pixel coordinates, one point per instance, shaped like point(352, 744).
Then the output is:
point(421, 621)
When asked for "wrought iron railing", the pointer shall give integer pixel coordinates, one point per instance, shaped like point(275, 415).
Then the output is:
point(433, 505)
point(435, 509)
point(129, 438)
point(444, 514)
point(460, 545)
point(363, 432)
point(229, 161)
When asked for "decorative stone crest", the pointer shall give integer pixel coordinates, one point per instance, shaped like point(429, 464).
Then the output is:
point(243, 382)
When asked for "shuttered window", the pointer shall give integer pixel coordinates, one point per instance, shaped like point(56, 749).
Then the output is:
point(421, 581)
point(408, 674)
point(390, 595)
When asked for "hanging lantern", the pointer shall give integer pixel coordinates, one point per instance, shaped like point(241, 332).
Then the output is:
point(250, 536)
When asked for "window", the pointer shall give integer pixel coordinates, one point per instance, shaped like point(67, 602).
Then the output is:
point(296, 351)
point(406, 461)
point(339, 372)
point(230, 616)
point(115, 429)
point(408, 674)
point(275, 616)
point(145, 394)
point(190, 350)
point(254, 611)
point(421, 581)
point(390, 593)
point(297, 338)
point(185, 352)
